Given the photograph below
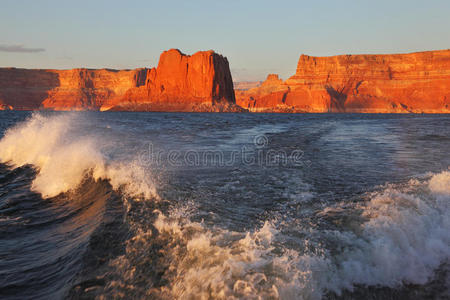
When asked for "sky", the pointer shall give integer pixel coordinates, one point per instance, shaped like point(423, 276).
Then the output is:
point(257, 37)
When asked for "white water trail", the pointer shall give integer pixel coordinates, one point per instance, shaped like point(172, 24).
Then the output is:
point(403, 240)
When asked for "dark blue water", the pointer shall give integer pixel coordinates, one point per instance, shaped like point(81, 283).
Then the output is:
point(220, 206)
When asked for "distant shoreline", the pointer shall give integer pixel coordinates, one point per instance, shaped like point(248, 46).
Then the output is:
point(416, 82)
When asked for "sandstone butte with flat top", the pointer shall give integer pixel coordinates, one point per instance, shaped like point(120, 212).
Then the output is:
point(394, 83)
point(201, 82)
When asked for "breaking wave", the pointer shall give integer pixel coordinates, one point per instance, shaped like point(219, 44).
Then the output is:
point(64, 153)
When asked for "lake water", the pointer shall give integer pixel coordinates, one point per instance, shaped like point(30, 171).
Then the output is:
point(223, 206)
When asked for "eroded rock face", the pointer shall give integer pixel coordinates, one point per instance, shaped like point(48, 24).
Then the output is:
point(415, 82)
point(81, 89)
point(201, 82)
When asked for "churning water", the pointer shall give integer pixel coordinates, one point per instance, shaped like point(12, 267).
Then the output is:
point(224, 206)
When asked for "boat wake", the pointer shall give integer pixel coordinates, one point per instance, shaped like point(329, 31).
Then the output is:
point(396, 236)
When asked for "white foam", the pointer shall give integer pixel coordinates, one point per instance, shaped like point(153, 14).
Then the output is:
point(230, 265)
point(404, 239)
point(58, 146)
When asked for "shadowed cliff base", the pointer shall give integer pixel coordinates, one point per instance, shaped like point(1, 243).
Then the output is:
point(23, 89)
point(178, 107)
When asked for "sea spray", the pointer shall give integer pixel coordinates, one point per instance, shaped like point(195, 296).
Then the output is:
point(64, 153)
point(405, 238)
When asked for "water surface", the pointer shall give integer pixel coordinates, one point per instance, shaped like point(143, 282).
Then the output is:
point(184, 205)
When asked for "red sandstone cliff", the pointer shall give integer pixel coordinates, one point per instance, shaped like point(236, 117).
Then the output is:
point(415, 82)
point(76, 89)
point(201, 82)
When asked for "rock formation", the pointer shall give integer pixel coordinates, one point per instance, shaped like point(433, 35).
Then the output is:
point(415, 82)
point(201, 82)
point(76, 89)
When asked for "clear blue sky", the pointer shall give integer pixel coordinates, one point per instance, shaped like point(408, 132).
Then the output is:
point(258, 37)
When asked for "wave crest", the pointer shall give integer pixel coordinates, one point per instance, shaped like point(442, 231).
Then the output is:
point(64, 152)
